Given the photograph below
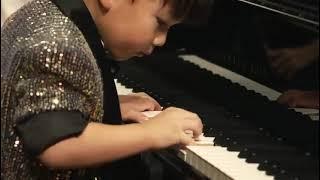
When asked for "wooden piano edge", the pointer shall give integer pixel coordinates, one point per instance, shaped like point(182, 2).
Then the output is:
point(191, 165)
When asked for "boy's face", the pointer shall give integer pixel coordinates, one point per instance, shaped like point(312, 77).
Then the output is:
point(134, 27)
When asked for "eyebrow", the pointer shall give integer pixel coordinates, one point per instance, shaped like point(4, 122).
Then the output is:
point(163, 3)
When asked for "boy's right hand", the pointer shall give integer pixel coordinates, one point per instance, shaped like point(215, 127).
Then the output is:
point(298, 98)
point(169, 128)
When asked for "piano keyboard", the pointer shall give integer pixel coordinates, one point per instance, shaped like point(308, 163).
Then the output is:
point(249, 131)
point(215, 162)
point(248, 83)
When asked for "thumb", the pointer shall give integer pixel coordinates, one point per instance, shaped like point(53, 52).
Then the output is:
point(186, 139)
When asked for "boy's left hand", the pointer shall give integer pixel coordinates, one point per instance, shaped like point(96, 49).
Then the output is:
point(132, 106)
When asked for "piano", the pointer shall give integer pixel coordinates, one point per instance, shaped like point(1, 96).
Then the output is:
point(220, 72)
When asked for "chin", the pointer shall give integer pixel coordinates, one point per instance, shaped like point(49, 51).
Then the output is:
point(122, 58)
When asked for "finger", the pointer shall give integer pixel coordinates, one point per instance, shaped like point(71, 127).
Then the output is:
point(136, 116)
point(284, 98)
point(189, 133)
point(307, 103)
point(142, 94)
point(185, 139)
point(194, 125)
point(305, 99)
point(154, 106)
point(149, 105)
point(157, 106)
point(288, 98)
point(292, 102)
point(299, 99)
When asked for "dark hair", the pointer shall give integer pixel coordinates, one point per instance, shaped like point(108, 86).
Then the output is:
point(195, 12)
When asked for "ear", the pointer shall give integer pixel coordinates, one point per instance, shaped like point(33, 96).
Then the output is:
point(106, 4)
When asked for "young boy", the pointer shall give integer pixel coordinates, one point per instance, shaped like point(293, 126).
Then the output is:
point(60, 113)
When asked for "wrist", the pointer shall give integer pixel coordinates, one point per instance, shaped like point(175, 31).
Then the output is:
point(148, 136)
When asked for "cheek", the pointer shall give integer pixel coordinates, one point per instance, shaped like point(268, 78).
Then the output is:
point(138, 39)
point(139, 34)
point(128, 40)
point(131, 35)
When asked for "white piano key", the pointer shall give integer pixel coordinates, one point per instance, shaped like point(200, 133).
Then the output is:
point(122, 90)
point(151, 113)
point(307, 111)
point(222, 162)
point(313, 113)
point(204, 141)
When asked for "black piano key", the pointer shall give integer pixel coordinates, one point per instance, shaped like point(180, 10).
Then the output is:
point(301, 177)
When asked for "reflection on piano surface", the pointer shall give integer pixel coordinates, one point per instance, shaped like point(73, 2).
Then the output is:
point(221, 73)
point(306, 11)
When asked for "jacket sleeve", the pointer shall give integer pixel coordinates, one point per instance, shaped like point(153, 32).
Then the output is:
point(53, 94)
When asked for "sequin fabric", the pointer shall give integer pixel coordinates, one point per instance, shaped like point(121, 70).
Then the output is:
point(46, 65)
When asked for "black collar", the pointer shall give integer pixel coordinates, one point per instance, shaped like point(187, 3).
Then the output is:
point(77, 11)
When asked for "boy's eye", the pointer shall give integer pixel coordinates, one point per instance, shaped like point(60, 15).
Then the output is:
point(161, 22)
point(162, 25)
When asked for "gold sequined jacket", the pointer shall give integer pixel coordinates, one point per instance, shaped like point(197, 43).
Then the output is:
point(46, 65)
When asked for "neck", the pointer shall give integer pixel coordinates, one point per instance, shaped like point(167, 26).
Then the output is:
point(98, 13)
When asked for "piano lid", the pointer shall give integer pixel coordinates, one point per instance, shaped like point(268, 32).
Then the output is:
point(305, 12)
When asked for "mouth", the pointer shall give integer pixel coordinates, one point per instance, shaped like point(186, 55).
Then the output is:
point(140, 54)
point(144, 53)
point(148, 52)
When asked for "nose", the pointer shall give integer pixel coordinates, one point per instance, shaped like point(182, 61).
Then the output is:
point(160, 39)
